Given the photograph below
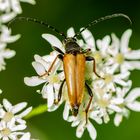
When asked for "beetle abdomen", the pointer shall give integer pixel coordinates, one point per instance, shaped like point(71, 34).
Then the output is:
point(74, 68)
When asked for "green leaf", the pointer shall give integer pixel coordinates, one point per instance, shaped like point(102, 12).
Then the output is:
point(37, 111)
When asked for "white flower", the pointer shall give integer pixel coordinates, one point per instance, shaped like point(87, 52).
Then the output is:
point(10, 131)
point(128, 102)
point(111, 80)
point(105, 103)
point(8, 111)
point(10, 8)
point(123, 56)
point(52, 81)
point(11, 121)
point(5, 38)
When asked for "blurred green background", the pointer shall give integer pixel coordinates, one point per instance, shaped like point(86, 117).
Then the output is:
point(63, 14)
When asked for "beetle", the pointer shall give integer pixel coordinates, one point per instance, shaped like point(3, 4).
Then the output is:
point(74, 61)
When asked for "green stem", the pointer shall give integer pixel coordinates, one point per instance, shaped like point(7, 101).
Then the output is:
point(37, 111)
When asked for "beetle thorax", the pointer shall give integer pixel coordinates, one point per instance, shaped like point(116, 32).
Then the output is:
point(71, 45)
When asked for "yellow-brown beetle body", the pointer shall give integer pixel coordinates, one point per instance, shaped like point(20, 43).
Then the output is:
point(74, 61)
point(74, 69)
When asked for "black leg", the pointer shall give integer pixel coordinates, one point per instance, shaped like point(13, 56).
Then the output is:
point(89, 103)
point(49, 70)
point(60, 92)
point(58, 50)
point(89, 58)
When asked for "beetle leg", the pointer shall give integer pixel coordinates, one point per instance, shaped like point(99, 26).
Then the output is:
point(60, 56)
point(89, 103)
point(60, 92)
point(58, 50)
point(89, 58)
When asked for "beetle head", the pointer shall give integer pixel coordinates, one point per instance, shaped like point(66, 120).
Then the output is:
point(70, 45)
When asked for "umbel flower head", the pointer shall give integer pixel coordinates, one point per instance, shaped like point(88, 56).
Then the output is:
point(9, 9)
point(6, 38)
point(12, 125)
point(112, 94)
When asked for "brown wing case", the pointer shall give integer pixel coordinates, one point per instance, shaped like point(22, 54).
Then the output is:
point(74, 68)
point(80, 77)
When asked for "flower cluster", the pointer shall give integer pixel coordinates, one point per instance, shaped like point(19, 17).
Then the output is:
point(11, 117)
point(11, 121)
point(8, 10)
point(112, 94)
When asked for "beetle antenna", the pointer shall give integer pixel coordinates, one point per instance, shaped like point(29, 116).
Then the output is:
point(102, 19)
point(28, 19)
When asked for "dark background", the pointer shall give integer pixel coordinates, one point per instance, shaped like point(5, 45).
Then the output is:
point(63, 14)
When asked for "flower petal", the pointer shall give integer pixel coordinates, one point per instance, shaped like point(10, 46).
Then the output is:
point(80, 129)
point(9, 53)
point(10, 39)
point(7, 105)
point(120, 82)
point(18, 107)
point(7, 17)
point(66, 111)
point(130, 99)
point(118, 119)
point(103, 44)
point(117, 101)
point(53, 40)
point(41, 60)
point(125, 41)
point(135, 54)
point(75, 123)
point(115, 108)
point(114, 49)
point(92, 131)
point(89, 39)
point(33, 81)
point(135, 106)
point(5, 138)
point(25, 112)
point(39, 68)
point(70, 32)
point(29, 1)
point(16, 6)
point(50, 95)
point(133, 95)
point(19, 127)
point(131, 65)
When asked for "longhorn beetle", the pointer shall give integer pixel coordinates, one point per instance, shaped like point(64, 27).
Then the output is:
point(74, 61)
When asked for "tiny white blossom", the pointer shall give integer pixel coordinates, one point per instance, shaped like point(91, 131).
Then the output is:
point(51, 82)
point(123, 56)
point(9, 130)
point(11, 8)
point(128, 102)
point(5, 38)
point(8, 111)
